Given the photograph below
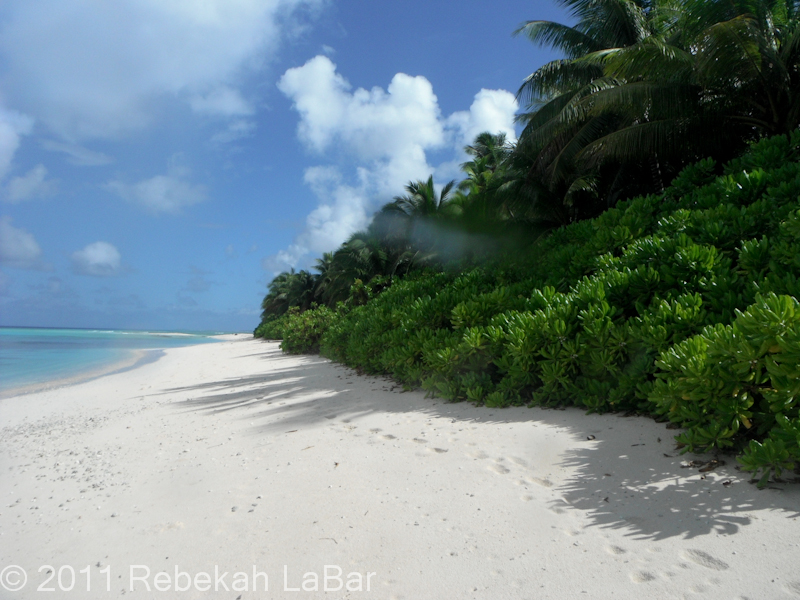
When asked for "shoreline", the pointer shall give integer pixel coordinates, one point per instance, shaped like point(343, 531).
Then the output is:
point(134, 359)
point(237, 457)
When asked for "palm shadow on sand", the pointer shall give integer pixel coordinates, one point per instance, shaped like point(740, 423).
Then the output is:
point(647, 499)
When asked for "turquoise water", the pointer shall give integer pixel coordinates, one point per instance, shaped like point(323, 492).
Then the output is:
point(36, 357)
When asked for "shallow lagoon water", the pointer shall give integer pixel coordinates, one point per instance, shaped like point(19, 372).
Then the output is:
point(36, 357)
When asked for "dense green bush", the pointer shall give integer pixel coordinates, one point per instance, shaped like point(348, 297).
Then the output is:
point(682, 305)
point(272, 328)
point(298, 331)
point(733, 383)
point(303, 330)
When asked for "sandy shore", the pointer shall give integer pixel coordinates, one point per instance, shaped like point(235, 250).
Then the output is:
point(234, 457)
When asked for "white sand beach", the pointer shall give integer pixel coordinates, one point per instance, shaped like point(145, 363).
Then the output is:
point(235, 457)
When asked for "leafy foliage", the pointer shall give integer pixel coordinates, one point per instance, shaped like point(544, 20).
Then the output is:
point(679, 305)
point(302, 331)
point(733, 383)
point(647, 87)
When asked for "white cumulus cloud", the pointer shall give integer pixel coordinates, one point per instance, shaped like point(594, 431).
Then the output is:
point(492, 110)
point(370, 123)
point(384, 136)
point(99, 259)
point(98, 70)
point(386, 133)
point(18, 248)
point(343, 210)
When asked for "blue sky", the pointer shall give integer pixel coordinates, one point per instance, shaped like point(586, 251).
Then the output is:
point(161, 161)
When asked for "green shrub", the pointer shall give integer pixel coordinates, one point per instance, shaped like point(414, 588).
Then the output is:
point(683, 306)
point(303, 330)
point(272, 327)
point(733, 383)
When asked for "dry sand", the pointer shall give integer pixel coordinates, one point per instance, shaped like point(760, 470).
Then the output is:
point(233, 456)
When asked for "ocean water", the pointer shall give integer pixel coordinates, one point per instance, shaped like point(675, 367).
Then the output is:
point(32, 358)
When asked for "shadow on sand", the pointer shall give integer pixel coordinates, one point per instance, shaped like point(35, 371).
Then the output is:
point(628, 477)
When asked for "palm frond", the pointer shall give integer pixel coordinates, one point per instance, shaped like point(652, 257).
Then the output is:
point(650, 59)
point(729, 52)
point(569, 40)
point(551, 79)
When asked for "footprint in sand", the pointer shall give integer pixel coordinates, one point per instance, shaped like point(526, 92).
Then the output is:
point(420, 441)
point(438, 450)
point(499, 469)
point(544, 482)
point(521, 462)
point(376, 430)
point(559, 506)
point(615, 550)
point(526, 498)
point(642, 577)
point(705, 560)
point(389, 436)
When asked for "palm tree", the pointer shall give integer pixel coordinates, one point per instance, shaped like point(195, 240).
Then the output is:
point(727, 75)
point(324, 266)
point(415, 220)
point(479, 208)
point(422, 201)
point(560, 124)
point(490, 147)
point(288, 289)
point(689, 79)
point(490, 152)
point(360, 257)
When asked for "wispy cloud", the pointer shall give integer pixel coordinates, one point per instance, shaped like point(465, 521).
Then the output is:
point(13, 125)
point(78, 155)
point(236, 130)
point(223, 101)
point(33, 184)
point(198, 283)
point(18, 248)
point(169, 193)
point(128, 56)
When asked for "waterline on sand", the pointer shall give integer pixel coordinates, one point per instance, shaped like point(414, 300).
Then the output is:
point(132, 360)
point(39, 358)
